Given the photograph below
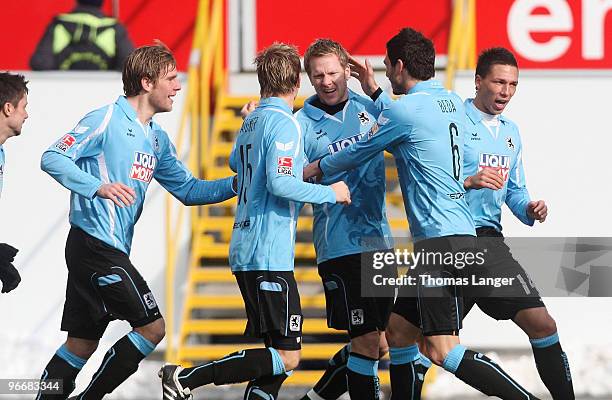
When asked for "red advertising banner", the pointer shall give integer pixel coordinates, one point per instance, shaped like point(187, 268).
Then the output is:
point(363, 27)
point(549, 34)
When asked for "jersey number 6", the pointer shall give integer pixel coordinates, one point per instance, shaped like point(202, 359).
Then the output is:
point(454, 133)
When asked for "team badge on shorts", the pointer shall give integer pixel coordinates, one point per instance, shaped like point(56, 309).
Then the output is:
point(357, 317)
point(149, 300)
point(295, 323)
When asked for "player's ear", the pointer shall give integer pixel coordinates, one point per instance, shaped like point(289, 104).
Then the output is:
point(477, 82)
point(7, 109)
point(147, 84)
point(399, 66)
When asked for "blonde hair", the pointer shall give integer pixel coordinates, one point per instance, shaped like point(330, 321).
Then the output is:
point(325, 47)
point(278, 70)
point(150, 62)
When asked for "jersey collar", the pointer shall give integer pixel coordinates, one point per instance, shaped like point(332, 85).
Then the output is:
point(275, 102)
point(129, 111)
point(126, 108)
point(474, 114)
point(426, 86)
point(316, 113)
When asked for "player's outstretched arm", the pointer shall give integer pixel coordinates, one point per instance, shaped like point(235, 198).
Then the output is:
point(389, 130)
point(174, 176)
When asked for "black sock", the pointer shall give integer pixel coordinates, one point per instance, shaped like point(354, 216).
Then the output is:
point(407, 371)
point(333, 382)
point(265, 388)
point(553, 367)
point(478, 371)
point(65, 366)
point(362, 377)
point(118, 364)
point(242, 366)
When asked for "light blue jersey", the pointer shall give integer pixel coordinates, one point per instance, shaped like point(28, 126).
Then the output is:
point(498, 147)
point(111, 145)
point(269, 159)
point(1, 168)
point(424, 131)
point(339, 230)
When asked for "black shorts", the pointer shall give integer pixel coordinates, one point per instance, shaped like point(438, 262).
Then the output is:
point(348, 308)
point(103, 285)
point(273, 309)
point(504, 302)
point(437, 310)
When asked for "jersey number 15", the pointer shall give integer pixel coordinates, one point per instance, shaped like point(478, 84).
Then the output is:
point(246, 169)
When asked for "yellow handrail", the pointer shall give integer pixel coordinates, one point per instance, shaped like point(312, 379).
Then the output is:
point(462, 40)
point(198, 119)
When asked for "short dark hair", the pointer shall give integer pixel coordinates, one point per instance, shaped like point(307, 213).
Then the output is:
point(278, 69)
point(150, 62)
point(12, 88)
point(493, 56)
point(416, 52)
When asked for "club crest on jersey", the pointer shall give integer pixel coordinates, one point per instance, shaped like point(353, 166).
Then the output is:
point(363, 117)
point(344, 143)
point(156, 146)
point(65, 143)
point(509, 142)
point(143, 166)
point(285, 166)
point(499, 163)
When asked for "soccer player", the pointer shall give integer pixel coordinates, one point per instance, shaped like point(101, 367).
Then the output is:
point(424, 131)
point(13, 101)
point(269, 159)
point(107, 161)
point(332, 119)
point(493, 164)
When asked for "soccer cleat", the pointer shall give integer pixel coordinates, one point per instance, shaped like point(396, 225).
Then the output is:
point(171, 387)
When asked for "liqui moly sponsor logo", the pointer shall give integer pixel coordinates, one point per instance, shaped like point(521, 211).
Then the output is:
point(143, 166)
point(497, 162)
point(344, 143)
